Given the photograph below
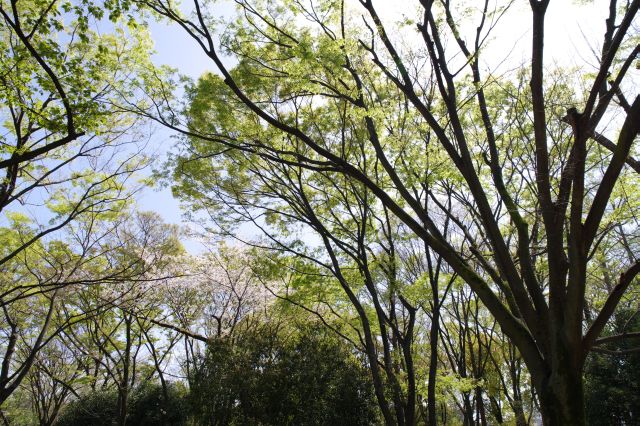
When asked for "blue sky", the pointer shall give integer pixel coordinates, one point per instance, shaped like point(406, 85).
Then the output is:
point(175, 49)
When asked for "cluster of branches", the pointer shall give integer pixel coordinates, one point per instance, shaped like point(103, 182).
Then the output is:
point(67, 155)
point(409, 201)
point(328, 122)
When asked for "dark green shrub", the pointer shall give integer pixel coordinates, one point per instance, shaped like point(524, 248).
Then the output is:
point(612, 381)
point(146, 407)
point(266, 379)
point(96, 409)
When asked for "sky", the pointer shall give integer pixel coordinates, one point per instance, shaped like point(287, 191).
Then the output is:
point(569, 24)
point(177, 50)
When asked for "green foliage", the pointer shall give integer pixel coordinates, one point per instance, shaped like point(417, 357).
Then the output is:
point(361, 135)
point(98, 409)
point(146, 407)
point(265, 377)
point(66, 141)
point(612, 381)
point(60, 67)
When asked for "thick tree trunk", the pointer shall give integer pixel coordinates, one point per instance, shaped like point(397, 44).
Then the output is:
point(468, 412)
point(562, 399)
point(433, 366)
point(434, 332)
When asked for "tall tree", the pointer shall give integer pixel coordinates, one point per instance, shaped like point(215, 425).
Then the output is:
point(537, 178)
point(66, 155)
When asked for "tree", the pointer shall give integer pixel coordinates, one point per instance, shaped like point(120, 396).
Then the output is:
point(611, 377)
point(66, 149)
point(95, 408)
point(111, 336)
point(65, 161)
point(56, 297)
point(146, 408)
point(537, 182)
point(52, 381)
point(273, 375)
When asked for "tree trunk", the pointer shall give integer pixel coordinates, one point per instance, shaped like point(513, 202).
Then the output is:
point(482, 416)
point(518, 410)
point(123, 389)
point(562, 399)
point(433, 366)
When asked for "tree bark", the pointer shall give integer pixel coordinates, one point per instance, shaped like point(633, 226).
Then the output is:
point(433, 365)
point(562, 398)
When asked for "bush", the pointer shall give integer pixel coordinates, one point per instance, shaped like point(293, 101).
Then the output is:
point(612, 381)
point(96, 409)
point(262, 378)
point(146, 407)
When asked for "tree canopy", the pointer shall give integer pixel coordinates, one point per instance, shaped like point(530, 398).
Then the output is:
point(463, 227)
